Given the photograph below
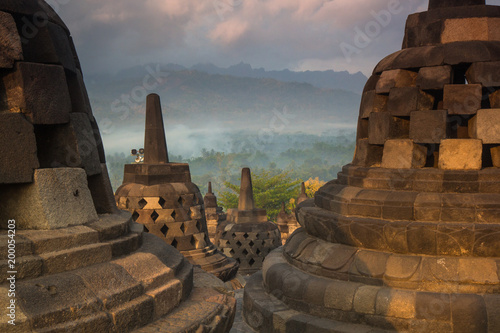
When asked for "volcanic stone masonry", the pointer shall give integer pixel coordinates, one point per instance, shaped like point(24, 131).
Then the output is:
point(213, 213)
point(161, 196)
point(81, 264)
point(247, 235)
point(407, 238)
point(287, 223)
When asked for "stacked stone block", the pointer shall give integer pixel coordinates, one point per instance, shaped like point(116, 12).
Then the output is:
point(213, 213)
point(406, 239)
point(81, 265)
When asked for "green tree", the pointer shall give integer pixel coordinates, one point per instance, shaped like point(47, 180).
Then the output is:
point(270, 189)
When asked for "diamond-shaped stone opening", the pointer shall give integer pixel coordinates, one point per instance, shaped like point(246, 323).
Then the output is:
point(146, 229)
point(251, 261)
point(245, 235)
point(142, 203)
point(174, 214)
point(232, 252)
point(193, 241)
point(180, 201)
point(257, 236)
point(233, 235)
point(174, 243)
point(135, 216)
point(198, 226)
point(245, 252)
point(238, 243)
point(251, 243)
point(162, 202)
point(164, 230)
point(257, 251)
point(224, 234)
point(183, 228)
point(154, 215)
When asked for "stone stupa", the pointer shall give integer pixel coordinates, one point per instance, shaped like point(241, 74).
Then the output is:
point(287, 223)
point(161, 196)
point(407, 239)
point(213, 213)
point(70, 260)
point(247, 235)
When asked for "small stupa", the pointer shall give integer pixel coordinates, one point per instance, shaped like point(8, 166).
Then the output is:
point(161, 196)
point(213, 213)
point(247, 235)
point(287, 223)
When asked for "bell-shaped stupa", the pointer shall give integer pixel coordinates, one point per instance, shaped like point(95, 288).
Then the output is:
point(70, 261)
point(247, 235)
point(161, 196)
point(407, 238)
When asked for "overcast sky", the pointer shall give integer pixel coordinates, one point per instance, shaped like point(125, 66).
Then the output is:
point(348, 35)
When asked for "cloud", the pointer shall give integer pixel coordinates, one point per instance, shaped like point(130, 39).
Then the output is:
point(275, 34)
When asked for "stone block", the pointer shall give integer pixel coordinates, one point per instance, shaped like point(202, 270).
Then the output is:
point(339, 295)
point(495, 156)
point(365, 299)
point(462, 98)
point(45, 203)
point(403, 154)
point(495, 100)
point(366, 154)
point(465, 29)
point(469, 313)
point(396, 303)
point(485, 125)
point(18, 152)
point(102, 193)
point(434, 78)
point(486, 74)
point(86, 145)
point(402, 101)
point(39, 91)
point(428, 126)
point(461, 154)
point(10, 42)
point(78, 93)
point(435, 4)
point(372, 102)
point(395, 78)
point(383, 126)
point(50, 45)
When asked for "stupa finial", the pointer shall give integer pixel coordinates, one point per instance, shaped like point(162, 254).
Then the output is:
point(155, 144)
point(246, 201)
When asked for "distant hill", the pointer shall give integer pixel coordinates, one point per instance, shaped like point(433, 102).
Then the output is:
point(196, 97)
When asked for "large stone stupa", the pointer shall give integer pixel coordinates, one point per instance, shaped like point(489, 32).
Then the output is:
point(407, 238)
point(70, 261)
point(161, 196)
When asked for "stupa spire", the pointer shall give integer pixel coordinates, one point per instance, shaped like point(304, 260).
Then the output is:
point(155, 144)
point(246, 201)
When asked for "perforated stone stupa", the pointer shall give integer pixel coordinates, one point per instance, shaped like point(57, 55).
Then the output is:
point(407, 238)
point(80, 264)
point(161, 196)
point(247, 235)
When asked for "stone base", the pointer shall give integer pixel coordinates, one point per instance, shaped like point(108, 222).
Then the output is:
point(101, 277)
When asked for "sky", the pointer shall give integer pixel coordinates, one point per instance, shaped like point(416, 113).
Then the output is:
point(352, 35)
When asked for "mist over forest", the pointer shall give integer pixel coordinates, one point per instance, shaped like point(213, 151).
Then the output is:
point(220, 120)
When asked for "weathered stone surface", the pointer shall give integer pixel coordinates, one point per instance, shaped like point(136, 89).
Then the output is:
point(484, 73)
point(396, 78)
point(366, 154)
point(39, 91)
point(460, 154)
point(495, 100)
point(383, 127)
point(485, 125)
point(428, 126)
point(495, 156)
point(458, 30)
point(435, 4)
point(402, 101)
point(86, 145)
point(102, 193)
point(18, 157)
point(462, 98)
point(10, 42)
point(63, 190)
point(372, 102)
point(403, 154)
point(434, 78)
point(78, 93)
